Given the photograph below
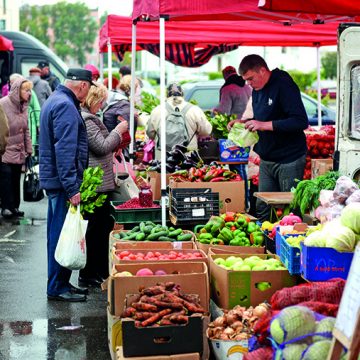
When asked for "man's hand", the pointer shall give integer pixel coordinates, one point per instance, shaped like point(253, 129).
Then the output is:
point(232, 122)
point(256, 125)
point(75, 200)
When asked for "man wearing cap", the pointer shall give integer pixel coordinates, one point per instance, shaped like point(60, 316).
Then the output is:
point(41, 87)
point(63, 159)
point(47, 75)
point(234, 94)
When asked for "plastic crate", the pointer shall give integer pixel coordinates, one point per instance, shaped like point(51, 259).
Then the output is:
point(270, 244)
point(208, 150)
point(193, 204)
point(290, 256)
point(130, 216)
point(230, 152)
point(321, 264)
point(278, 237)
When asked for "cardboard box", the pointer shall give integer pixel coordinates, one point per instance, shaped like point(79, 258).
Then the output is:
point(230, 248)
point(321, 166)
point(193, 356)
point(162, 340)
point(116, 244)
point(230, 288)
point(114, 331)
point(155, 183)
point(231, 193)
point(191, 276)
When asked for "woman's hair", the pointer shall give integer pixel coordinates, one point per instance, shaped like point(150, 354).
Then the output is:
point(125, 84)
point(26, 85)
point(96, 95)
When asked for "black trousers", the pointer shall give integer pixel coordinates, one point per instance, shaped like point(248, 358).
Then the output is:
point(97, 242)
point(10, 175)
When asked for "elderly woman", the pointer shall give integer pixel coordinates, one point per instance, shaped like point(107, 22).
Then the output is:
point(19, 146)
point(102, 144)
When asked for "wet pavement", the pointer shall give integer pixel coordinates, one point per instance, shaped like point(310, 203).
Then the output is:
point(31, 327)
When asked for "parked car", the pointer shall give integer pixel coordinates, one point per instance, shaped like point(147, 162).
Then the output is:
point(206, 94)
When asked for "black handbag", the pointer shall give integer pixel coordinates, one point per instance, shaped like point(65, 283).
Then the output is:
point(31, 185)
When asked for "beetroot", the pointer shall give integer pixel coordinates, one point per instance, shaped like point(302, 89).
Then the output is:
point(144, 272)
point(160, 272)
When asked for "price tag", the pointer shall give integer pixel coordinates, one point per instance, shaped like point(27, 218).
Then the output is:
point(198, 212)
point(177, 245)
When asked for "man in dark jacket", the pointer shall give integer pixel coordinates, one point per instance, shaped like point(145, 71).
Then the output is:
point(63, 159)
point(47, 75)
point(280, 120)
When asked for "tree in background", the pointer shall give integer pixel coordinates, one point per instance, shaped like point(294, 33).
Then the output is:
point(329, 64)
point(69, 29)
point(303, 80)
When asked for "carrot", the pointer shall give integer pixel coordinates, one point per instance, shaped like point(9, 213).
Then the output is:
point(128, 312)
point(179, 319)
point(155, 317)
point(144, 307)
point(163, 304)
point(143, 315)
point(165, 322)
point(193, 308)
point(153, 290)
point(182, 312)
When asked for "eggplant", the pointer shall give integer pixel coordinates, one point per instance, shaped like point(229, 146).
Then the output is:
point(194, 155)
point(187, 164)
point(178, 167)
point(170, 168)
point(171, 160)
point(178, 155)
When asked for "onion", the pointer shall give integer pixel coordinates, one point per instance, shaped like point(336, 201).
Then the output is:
point(260, 310)
point(219, 321)
point(229, 331)
point(237, 324)
point(231, 318)
point(242, 336)
point(223, 337)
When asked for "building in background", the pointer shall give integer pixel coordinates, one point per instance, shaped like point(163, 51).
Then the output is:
point(9, 15)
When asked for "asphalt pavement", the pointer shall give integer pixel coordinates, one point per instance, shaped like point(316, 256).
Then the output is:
point(31, 327)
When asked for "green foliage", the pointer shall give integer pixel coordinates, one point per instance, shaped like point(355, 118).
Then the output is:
point(313, 93)
point(114, 74)
point(149, 102)
point(74, 29)
point(303, 80)
point(329, 64)
point(215, 75)
point(219, 124)
point(92, 179)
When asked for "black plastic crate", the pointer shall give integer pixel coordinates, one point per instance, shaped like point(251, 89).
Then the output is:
point(209, 150)
point(194, 204)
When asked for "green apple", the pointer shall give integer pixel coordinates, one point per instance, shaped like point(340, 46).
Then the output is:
point(224, 266)
point(244, 267)
point(259, 267)
point(124, 273)
point(231, 260)
point(219, 261)
point(262, 286)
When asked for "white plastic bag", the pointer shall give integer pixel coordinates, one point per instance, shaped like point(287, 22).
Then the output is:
point(70, 251)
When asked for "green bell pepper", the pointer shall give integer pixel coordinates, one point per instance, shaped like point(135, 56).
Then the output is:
point(257, 238)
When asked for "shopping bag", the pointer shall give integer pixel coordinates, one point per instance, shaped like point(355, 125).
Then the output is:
point(31, 183)
point(70, 251)
point(125, 186)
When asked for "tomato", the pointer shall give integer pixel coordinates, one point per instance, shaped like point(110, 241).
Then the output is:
point(150, 254)
point(279, 212)
point(157, 253)
point(124, 253)
point(172, 256)
point(125, 258)
point(133, 257)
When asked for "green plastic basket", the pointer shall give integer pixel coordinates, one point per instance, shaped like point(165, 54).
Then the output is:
point(131, 216)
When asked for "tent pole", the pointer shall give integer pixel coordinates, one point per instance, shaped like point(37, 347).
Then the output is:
point(109, 64)
point(102, 67)
point(132, 89)
point(319, 85)
point(162, 121)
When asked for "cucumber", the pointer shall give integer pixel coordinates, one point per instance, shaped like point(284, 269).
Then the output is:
point(142, 226)
point(156, 235)
point(149, 223)
point(184, 237)
point(140, 236)
point(165, 238)
point(130, 236)
point(175, 233)
point(147, 229)
point(123, 234)
point(135, 229)
point(117, 236)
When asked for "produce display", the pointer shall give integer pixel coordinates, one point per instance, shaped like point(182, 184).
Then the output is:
point(135, 203)
point(163, 305)
point(237, 323)
point(219, 124)
point(148, 231)
point(306, 193)
point(308, 335)
point(206, 173)
point(231, 229)
point(157, 255)
point(251, 263)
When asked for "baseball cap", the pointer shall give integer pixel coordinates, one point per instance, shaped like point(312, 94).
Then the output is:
point(42, 64)
point(94, 70)
point(80, 74)
point(174, 90)
point(229, 71)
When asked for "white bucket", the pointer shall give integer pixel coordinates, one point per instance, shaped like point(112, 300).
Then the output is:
point(231, 350)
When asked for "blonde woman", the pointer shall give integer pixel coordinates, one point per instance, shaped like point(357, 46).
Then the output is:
point(19, 146)
point(102, 144)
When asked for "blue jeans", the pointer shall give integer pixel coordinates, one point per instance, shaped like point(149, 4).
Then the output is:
point(275, 177)
point(58, 276)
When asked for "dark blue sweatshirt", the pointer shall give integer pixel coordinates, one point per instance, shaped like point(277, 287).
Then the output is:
point(280, 101)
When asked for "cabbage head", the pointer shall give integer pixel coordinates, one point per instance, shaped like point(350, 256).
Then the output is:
point(338, 236)
point(350, 217)
point(315, 239)
point(241, 136)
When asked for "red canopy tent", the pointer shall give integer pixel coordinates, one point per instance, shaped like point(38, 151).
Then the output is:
point(334, 7)
point(5, 44)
